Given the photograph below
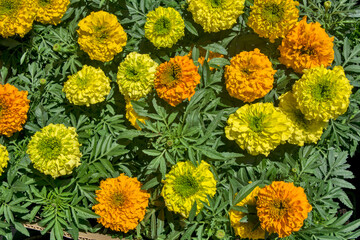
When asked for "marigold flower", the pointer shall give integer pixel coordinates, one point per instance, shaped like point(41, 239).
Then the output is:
point(273, 18)
point(14, 106)
point(306, 46)
point(87, 86)
point(249, 229)
point(322, 94)
point(122, 203)
point(259, 128)
point(16, 17)
point(101, 36)
point(176, 80)
point(51, 11)
point(136, 75)
point(249, 76)
point(202, 55)
point(55, 150)
point(164, 27)
point(305, 131)
point(132, 116)
point(216, 15)
point(186, 184)
point(282, 208)
point(4, 158)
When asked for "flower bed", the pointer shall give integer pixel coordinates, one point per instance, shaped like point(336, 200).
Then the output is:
point(190, 119)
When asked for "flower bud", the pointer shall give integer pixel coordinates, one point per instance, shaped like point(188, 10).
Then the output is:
point(57, 47)
point(42, 81)
point(327, 6)
point(220, 234)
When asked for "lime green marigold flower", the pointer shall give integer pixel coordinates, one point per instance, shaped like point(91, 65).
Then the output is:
point(259, 128)
point(164, 27)
point(216, 15)
point(185, 184)
point(322, 94)
point(136, 75)
point(88, 86)
point(55, 150)
point(4, 158)
point(305, 131)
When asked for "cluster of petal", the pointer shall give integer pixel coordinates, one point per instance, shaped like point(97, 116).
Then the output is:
point(14, 106)
point(216, 15)
point(164, 27)
point(249, 76)
point(87, 86)
point(186, 184)
point(55, 150)
point(322, 94)
point(304, 131)
point(132, 116)
point(247, 229)
point(4, 158)
point(273, 18)
point(282, 208)
point(101, 36)
point(258, 128)
point(51, 11)
point(16, 17)
point(136, 75)
point(176, 80)
point(122, 203)
point(202, 54)
point(306, 46)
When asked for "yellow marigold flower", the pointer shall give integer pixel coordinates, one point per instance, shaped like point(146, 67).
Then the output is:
point(259, 128)
point(14, 106)
point(305, 131)
point(132, 116)
point(51, 11)
point(273, 18)
point(101, 36)
point(55, 150)
point(322, 94)
point(202, 55)
point(306, 46)
point(249, 229)
point(249, 76)
point(176, 80)
point(136, 75)
point(186, 184)
point(164, 27)
point(87, 86)
point(216, 15)
point(122, 203)
point(4, 158)
point(282, 208)
point(16, 17)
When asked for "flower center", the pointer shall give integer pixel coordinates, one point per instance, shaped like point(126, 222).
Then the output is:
point(44, 3)
point(9, 7)
point(309, 51)
point(82, 81)
point(256, 123)
point(186, 186)
point(132, 74)
point(215, 3)
point(278, 208)
point(322, 91)
point(273, 12)
point(101, 33)
point(49, 147)
point(246, 71)
point(171, 74)
point(119, 199)
point(162, 26)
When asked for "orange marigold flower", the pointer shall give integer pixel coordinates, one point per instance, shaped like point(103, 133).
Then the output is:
point(282, 208)
point(122, 204)
point(202, 55)
point(14, 106)
point(176, 80)
point(249, 76)
point(306, 46)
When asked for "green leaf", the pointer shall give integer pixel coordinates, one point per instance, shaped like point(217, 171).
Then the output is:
point(191, 28)
point(21, 229)
point(192, 212)
point(85, 213)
